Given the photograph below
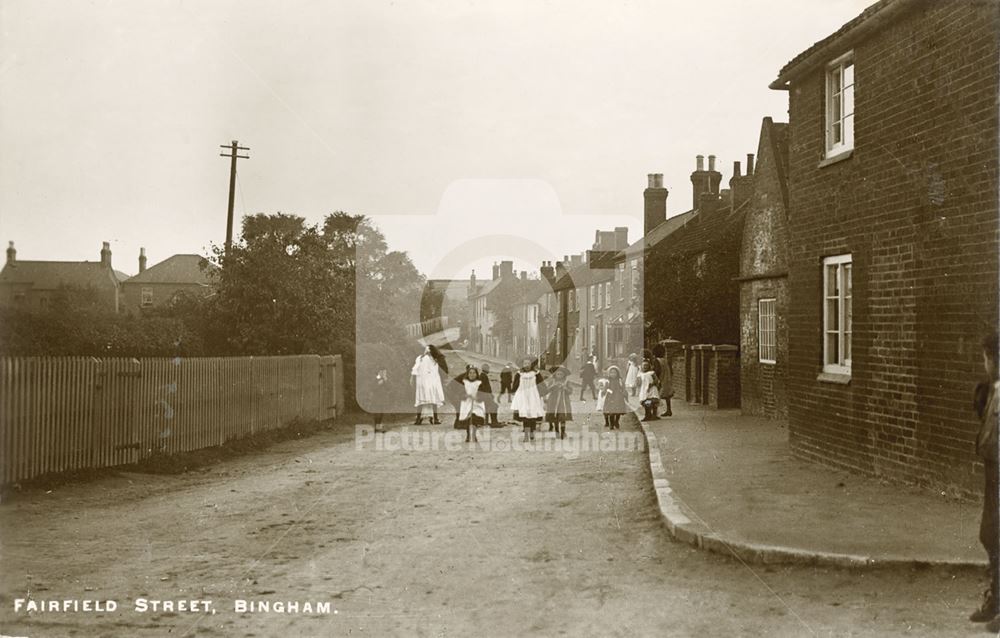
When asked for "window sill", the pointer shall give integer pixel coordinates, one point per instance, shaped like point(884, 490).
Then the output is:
point(838, 157)
point(766, 362)
point(838, 378)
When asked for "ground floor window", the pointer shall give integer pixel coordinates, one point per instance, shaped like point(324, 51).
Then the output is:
point(837, 314)
point(767, 331)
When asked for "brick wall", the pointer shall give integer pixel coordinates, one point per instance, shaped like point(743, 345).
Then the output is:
point(763, 385)
point(916, 206)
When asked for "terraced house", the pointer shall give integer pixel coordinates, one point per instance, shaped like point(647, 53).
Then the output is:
point(892, 225)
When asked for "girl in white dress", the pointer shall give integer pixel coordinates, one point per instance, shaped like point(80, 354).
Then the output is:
point(425, 377)
point(472, 409)
point(528, 388)
point(649, 391)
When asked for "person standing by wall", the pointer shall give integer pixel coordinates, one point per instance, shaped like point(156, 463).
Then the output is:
point(666, 377)
point(987, 403)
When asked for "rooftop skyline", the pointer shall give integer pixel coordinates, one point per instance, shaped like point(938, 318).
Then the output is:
point(470, 132)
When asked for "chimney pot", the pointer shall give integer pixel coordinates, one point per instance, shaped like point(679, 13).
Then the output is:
point(142, 259)
point(651, 180)
point(700, 162)
point(736, 168)
point(106, 253)
point(11, 254)
point(711, 162)
point(750, 165)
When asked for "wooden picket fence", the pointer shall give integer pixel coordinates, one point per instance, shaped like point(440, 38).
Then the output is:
point(70, 413)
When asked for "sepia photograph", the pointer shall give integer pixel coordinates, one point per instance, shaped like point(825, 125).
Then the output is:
point(499, 318)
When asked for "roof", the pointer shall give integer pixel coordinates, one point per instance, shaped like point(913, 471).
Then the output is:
point(867, 22)
point(696, 235)
point(778, 134)
point(50, 275)
point(660, 232)
point(178, 269)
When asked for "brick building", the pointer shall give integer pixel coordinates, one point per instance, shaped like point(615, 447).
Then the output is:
point(764, 275)
point(892, 224)
point(160, 284)
point(34, 284)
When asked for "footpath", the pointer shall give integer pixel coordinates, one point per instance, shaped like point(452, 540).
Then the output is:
point(729, 484)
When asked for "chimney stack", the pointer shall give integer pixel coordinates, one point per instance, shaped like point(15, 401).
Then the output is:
point(524, 275)
point(142, 259)
point(496, 272)
point(703, 181)
point(621, 237)
point(11, 254)
point(506, 269)
point(106, 254)
point(655, 202)
point(708, 203)
point(547, 272)
point(741, 186)
point(560, 269)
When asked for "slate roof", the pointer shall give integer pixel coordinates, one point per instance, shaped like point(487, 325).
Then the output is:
point(50, 275)
point(178, 269)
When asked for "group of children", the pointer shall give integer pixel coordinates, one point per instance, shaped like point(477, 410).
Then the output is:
point(535, 396)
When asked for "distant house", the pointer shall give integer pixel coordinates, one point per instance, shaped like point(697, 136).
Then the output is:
point(764, 300)
point(34, 284)
point(892, 236)
point(160, 284)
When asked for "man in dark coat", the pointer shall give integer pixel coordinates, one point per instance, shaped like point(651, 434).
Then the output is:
point(587, 374)
point(987, 404)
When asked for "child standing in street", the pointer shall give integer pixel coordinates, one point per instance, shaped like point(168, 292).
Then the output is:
point(506, 382)
point(602, 397)
point(472, 409)
point(649, 392)
point(557, 402)
point(528, 388)
point(615, 399)
point(632, 374)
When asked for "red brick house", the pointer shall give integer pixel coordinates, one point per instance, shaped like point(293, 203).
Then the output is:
point(892, 225)
point(764, 276)
point(33, 284)
point(160, 284)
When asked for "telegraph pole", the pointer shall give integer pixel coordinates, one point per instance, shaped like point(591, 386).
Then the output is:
point(235, 149)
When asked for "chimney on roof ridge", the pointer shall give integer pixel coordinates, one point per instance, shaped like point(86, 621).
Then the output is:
point(703, 181)
point(741, 186)
point(11, 254)
point(142, 259)
point(750, 166)
point(106, 254)
point(654, 202)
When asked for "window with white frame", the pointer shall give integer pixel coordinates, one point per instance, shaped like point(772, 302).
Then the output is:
point(593, 296)
point(837, 314)
point(767, 331)
point(147, 297)
point(621, 281)
point(593, 336)
point(840, 105)
point(635, 278)
point(607, 294)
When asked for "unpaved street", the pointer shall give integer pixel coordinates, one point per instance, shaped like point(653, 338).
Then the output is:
point(429, 543)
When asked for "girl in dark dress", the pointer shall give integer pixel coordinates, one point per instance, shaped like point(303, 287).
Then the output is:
point(615, 397)
point(557, 402)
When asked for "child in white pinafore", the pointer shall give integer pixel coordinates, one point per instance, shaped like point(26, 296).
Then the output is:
point(602, 396)
point(528, 388)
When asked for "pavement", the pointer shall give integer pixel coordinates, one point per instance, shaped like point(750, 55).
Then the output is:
point(728, 483)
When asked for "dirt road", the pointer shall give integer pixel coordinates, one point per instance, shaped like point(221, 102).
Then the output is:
point(431, 543)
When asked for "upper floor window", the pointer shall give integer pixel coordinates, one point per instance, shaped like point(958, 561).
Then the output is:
point(840, 105)
point(593, 297)
point(837, 314)
point(621, 281)
point(607, 294)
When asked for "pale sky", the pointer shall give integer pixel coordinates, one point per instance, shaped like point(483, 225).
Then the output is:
point(469, 131)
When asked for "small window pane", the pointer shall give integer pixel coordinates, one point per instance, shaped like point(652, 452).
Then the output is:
point(849, 74)
point(832, 314)
point(832, 282)
point(848, 101)
point(832, 348)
